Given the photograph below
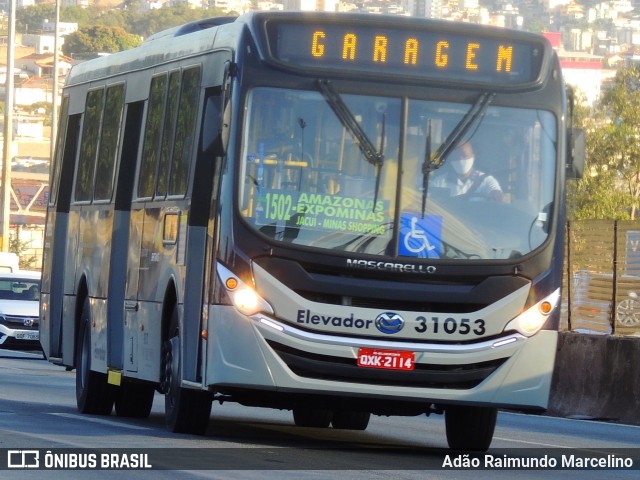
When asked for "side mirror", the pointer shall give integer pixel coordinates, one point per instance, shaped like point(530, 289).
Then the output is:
point(576, 144)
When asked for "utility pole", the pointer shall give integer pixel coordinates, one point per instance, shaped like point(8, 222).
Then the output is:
point(54, 97)
point(5, 198)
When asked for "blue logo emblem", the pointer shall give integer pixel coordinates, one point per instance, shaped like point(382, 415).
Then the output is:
point(389, 322)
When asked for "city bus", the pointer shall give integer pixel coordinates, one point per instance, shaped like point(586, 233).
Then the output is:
point(254, 209)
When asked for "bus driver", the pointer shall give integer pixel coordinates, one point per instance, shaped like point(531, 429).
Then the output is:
point(462, 179)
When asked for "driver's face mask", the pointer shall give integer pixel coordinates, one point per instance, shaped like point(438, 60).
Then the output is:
point(462, 166)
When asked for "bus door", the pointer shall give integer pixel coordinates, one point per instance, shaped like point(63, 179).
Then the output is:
point(143, 218)
point(201, 238)
point(204, 192)
point(156, 256)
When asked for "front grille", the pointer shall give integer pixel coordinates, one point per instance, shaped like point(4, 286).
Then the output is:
point(388, 290)
point(325, 367)
point(390, 303)
point(19, 322)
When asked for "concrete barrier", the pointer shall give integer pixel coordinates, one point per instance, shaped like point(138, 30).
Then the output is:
point(597, 377)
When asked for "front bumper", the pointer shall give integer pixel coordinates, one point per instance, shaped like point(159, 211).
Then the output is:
point(10, 335)
point(262, 353)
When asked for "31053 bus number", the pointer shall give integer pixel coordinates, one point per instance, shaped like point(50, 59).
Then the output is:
point(450, 326)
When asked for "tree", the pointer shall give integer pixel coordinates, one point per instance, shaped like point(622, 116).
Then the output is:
point(20, 248)
point(30, 19)
point(84, 17)
point(131, 18)
point(98, 39)
point(597, 195)
point(114, 18)
point(45, 106)
point(620, 138)
point(611, 185)
point(156, 20)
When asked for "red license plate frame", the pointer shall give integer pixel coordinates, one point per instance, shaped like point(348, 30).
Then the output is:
point(386, 359)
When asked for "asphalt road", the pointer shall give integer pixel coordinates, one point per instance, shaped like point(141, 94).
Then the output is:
point(38, 413)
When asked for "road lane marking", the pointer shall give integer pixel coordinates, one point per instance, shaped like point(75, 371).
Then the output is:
point(111, 423)
point(550, 445)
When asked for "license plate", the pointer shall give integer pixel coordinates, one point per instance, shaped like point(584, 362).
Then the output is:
point(28, 336)
point(385, 359)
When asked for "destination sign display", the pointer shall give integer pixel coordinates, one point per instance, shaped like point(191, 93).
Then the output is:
point(447, 55)
point(322, 212)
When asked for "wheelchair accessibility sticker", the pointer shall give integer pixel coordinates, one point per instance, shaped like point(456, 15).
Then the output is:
point(420, 237)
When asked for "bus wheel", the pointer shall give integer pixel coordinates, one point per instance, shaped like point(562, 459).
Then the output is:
point(93, 394)
point(470, 428)
point(134, 400)
point(350, 420)
point(186, 410)
point(312, 417)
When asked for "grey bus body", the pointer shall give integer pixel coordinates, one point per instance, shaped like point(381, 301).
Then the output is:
point(202, 166)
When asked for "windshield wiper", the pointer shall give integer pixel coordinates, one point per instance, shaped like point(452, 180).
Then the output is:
point(374, 156)
point(434, 161)
point(427, 168)
point(461, 129)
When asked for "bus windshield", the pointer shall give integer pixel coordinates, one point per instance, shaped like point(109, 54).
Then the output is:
point(307, 180)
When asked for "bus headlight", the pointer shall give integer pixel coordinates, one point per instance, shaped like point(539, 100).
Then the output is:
point(244, 298)
point(532, 320)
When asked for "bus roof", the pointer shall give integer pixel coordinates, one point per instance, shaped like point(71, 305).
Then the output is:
point(164, 47)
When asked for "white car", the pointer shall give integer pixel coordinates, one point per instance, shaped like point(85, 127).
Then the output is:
point(19, 303)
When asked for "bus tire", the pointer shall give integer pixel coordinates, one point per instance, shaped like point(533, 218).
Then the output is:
point(186, 410)
point(94, 395)
point(470, 428)
point(134, 400)
point(350, 420)
point(312, 417)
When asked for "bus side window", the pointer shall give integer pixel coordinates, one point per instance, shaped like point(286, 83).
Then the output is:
point(168, 133)
point(89, 145)
point(60, 146)
point(152, 136)
point(110, 135)
point(185, 131)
